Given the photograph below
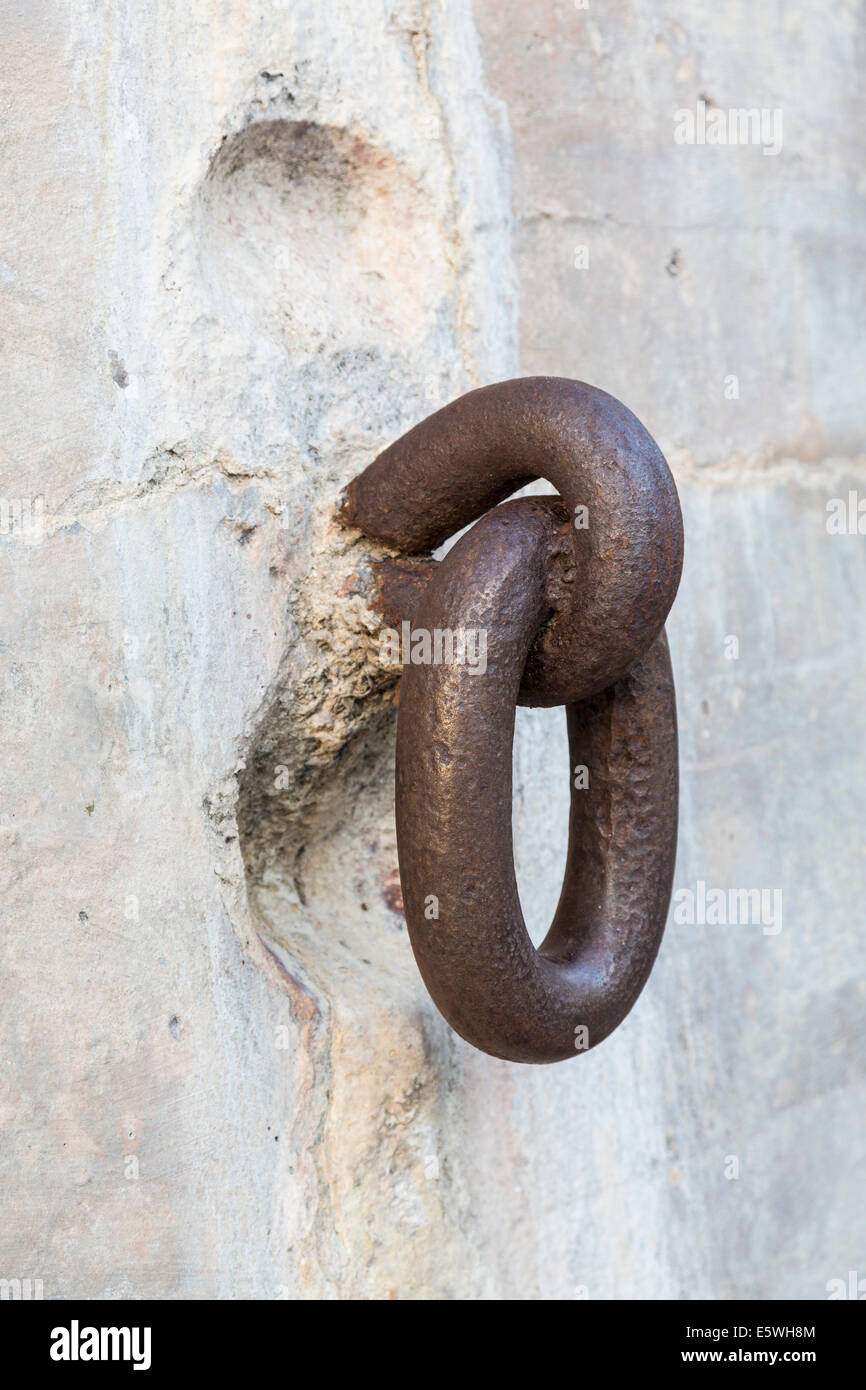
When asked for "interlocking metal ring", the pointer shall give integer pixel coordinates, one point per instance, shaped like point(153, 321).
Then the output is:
point(572, 593)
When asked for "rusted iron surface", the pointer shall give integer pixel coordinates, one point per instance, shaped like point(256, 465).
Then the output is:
point(616, 580)
point(572, 614)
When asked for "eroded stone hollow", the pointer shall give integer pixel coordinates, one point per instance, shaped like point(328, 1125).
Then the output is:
point(326, 261)
point(329, 245)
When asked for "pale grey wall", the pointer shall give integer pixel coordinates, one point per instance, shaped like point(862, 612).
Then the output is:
point(703, 262)
point(243, 248)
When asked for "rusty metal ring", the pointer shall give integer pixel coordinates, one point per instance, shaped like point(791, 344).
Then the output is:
point(616, 575)
point(455, 726)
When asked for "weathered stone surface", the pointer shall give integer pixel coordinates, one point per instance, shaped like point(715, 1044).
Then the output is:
point(704, 261)
point(747, 1042)
point(243, 250)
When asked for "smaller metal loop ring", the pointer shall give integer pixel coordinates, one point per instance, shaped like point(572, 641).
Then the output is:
point(621, 545)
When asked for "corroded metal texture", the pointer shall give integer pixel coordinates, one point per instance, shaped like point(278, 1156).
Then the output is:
point(613, 584)
point(572, 613)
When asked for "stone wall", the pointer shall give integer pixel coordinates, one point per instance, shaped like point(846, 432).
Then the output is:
point(243, 250)
point(720, 292)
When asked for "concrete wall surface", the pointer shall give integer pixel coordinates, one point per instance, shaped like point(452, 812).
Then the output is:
point(245, 247)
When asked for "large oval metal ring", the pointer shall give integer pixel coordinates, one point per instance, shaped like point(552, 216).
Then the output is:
point(561, 612)
point(454, 837)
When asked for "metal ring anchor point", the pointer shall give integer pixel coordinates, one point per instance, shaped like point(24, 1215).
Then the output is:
point(572, 593)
